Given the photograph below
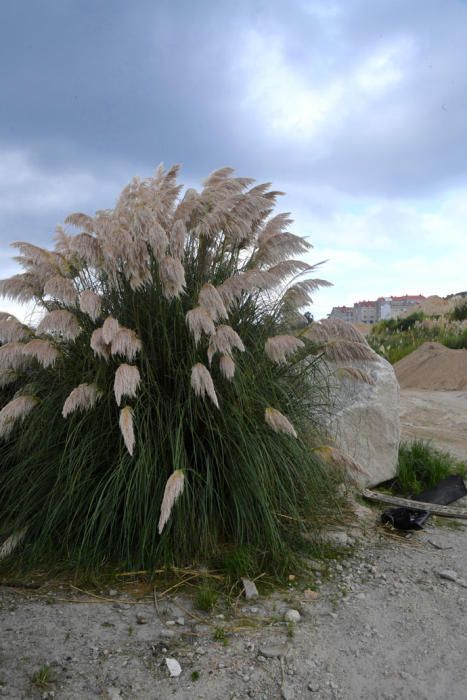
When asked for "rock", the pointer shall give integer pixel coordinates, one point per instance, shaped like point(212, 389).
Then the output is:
point(449, 575)
point(174, 667)
point(273, 651)
point(113, 592)
point(310, 595)
point(180, 620)
point(249, 589)
point(292, 616)
point(114, 694)
point(365, 417)
point(287, 692)
point(141, 620)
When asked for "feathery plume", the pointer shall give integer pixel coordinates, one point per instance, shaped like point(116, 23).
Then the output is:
point(278, 422)
point(12, 357)
point(126, 382)
point(23, 287)
point(199, 321)
point(98, 345)
point(81, 220)
point(127, 429)
point(11, 330)
point(172, 276)
point(61, 288)
point(211, 301)
point(340, 341)
point(7, 377)
point(342, 460)
point(110, 329)
point(126, 342)
point(16, 410)
point(43, 351)
point(83, 397)
point(173, 490)
point(202, 384)
point(227, 367)
point(299, 294)
point(157, 240)
point(61, 322)
point(90, 303)
point(279, 347)
point(177, 239)
point(224, 341)
point(10, 544)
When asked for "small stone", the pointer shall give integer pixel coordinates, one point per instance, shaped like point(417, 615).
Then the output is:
point(273, 651)
point(180, 620)
point(174, 667)
point(292, 616)
point(287, 693)
point(113, 592)
point(314, 687)
point(114, 694)
point(449, 575)
point(249, 589)
point(170, 623)
point(310, 595)
point(141, 620)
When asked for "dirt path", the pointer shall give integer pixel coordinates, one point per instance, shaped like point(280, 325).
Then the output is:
point(385, 625)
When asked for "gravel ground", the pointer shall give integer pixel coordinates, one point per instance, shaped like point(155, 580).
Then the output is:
point(385, 625)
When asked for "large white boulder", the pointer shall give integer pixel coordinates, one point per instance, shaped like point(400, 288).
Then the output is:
point(364, 421)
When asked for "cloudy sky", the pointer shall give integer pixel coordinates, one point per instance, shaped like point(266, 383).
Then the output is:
point(356, 108)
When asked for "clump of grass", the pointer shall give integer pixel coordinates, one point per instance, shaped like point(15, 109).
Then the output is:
point(239, 562)
point(206, 598)
point(42, 678)
point(180, 411)
point(220, 635)
point(422, 466)
point(195, 676)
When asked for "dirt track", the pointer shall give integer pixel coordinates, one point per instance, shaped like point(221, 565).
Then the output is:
point(384, 626)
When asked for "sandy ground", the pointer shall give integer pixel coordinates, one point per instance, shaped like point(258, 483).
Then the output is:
point(438, 416)
point(385, 624)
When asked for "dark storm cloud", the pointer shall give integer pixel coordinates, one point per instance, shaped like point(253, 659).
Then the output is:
point(111, 88)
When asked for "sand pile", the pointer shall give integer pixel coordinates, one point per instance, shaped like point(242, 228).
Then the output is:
point(434, 367)
point(436, 306)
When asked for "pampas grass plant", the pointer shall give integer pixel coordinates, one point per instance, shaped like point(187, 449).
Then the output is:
point(161, 409)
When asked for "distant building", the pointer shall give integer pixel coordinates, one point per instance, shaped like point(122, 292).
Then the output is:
point(372, 311)
point(364, 312)
point(401, 304)
point(343, 313)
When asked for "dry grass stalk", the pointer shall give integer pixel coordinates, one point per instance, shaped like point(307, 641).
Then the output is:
point(110, 329)
point(202, 384)
point(90, 303)
point(86, 248)
point(16, 410)
point(23, 287)
point(80, 220)
point(279, 347)
point(127, 428)
point(43, 351)
point(11, 330)
point(157, 240)
point(199, 322)
point(278, 422)
point(211, 301)
point(126, 382)
point(98, 345)
point(340, 459)
point(177, 239)
point(340, 341)
point(125, 342)
point(12, 542)
point(173, 490)
point(360, 375)
point(61, 288)
point(12, 356)
point(62, 322)
point(7, 377)
point(83, 398)
point(172, 276)
point(224, 341)
point(227, 367)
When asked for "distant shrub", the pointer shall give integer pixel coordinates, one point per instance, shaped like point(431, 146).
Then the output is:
point(422, 466)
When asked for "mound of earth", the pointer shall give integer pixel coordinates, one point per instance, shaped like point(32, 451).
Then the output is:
point(434, 367)
point(435, 305)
